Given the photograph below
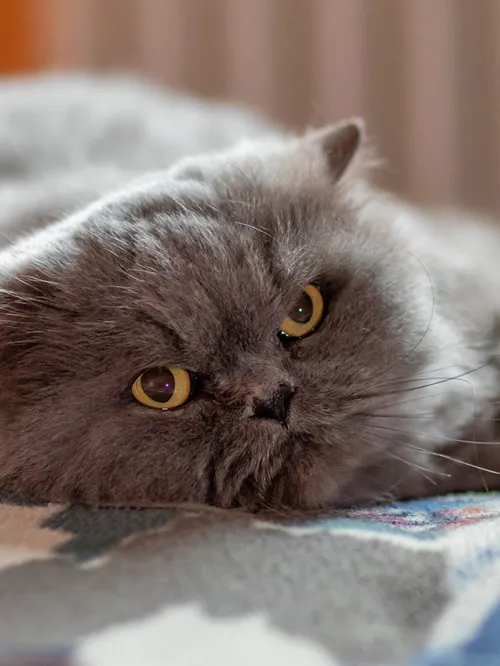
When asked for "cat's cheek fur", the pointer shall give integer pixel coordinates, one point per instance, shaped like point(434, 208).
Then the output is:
point(106, 458)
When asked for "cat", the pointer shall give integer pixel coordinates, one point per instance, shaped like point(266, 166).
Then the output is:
point(244, 323)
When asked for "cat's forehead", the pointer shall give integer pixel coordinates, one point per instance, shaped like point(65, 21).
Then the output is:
point(237, 222)
point(226, 239)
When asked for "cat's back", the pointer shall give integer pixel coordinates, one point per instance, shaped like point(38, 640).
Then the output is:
point(67, 139)
point(73, 121)
point(468, 242)
point(460, 252)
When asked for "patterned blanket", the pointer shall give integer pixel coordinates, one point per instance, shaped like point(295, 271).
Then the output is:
point(414, 584)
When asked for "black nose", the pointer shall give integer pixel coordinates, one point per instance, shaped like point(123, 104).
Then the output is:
point(275, 407)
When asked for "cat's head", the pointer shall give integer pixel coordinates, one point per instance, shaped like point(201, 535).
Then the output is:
point(224, 333)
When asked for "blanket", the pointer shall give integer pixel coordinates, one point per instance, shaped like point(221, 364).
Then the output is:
point(413, 584)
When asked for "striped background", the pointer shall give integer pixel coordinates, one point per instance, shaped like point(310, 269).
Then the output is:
point(424, 73)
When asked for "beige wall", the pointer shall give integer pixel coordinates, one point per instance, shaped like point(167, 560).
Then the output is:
point(424, 73)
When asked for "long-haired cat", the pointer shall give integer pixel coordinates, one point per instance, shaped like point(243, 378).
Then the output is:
point(255, 327)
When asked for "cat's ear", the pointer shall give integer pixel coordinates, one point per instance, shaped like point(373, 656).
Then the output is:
point(339, 143)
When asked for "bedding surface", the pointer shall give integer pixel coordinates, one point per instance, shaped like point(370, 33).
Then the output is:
point(414, 584)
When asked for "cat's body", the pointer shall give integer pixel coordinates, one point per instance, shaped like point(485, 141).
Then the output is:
point(64, 140)
point(196, 267)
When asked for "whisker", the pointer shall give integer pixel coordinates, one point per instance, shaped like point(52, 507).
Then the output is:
point(452, 459)
point(393, 455)
point(251, 226)
point(413, 465)
point(460, 376)
point(399, 416)
point(405, 402)
point(415, 377)
point(438, 437)
point(361, 396)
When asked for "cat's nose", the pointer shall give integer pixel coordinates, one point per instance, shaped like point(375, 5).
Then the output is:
point(276, 406)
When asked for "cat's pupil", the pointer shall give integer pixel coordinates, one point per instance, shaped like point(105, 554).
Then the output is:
point(303, 309)
point(158, 384)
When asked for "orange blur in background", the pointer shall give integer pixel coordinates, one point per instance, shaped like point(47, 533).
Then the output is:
point(16, 38)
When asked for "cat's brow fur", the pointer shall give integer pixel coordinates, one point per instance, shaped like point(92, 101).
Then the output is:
point(196, 266)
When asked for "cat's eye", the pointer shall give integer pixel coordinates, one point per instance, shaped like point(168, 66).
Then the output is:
point(305, 315)
point(162, 387)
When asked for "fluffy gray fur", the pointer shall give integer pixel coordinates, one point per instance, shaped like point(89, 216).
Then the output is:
point(127, 248)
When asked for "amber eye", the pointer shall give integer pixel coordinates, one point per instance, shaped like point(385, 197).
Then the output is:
point(305, 314)
point(162, 387)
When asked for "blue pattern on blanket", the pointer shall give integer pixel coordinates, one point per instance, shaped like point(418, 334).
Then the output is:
point(427, 518)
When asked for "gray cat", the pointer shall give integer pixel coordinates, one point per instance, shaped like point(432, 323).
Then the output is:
point(258, 327)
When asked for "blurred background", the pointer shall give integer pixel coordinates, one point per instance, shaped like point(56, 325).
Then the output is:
point(425, 74)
